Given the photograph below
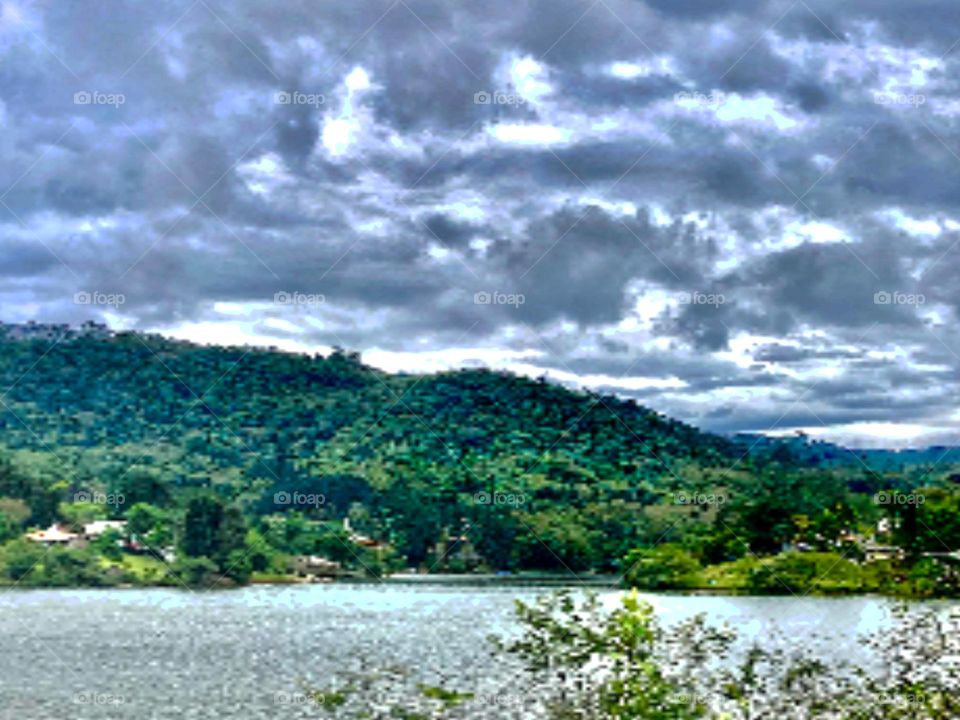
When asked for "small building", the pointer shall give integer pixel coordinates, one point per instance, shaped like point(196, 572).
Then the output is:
point(53, 535)
point(872, 552)
point(358, 539)
point(311, 566)
point(93, 530)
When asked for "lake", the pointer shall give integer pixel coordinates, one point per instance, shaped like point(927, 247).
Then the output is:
point(250, 653)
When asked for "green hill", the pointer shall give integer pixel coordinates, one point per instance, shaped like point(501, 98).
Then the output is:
point(412, 457)
point(241, 457)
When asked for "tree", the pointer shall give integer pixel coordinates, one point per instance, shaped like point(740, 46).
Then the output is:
point(198, 572)
point(13, 516)
point(141, 485)
point(150, 526)
point(664, 567)
point(623, 665)
point(201, 526)
point(629, 678)
point(30, 481)
point(802, 573)
point(19, 558)
point(218, 532)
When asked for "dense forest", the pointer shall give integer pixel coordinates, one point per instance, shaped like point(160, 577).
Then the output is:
point(239, 458)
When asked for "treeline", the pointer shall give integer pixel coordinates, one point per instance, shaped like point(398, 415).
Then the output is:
point(453, 471)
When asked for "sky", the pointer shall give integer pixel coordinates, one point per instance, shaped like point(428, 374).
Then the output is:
point(743, 213)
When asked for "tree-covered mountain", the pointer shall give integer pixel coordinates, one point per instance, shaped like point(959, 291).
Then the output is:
point(95, 391)
point(445, 470)
point(411, 457)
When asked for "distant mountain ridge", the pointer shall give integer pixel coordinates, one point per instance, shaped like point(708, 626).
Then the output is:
point(804, 450)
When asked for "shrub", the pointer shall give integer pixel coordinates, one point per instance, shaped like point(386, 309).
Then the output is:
point(802, 573)
point(665, 567)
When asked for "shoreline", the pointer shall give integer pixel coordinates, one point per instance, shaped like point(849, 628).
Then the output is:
point(484, 582)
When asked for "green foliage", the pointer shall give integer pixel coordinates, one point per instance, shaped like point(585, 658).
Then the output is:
point(64, 567)
point(626, 680)
point(665, 567)
point(935, 577)
point(27, 564)
point(589, 662)
point(218, 532)
point(149, 525)
point(803, 573)
point(448, 698)
point(926, 520)
point(76, 515)
point(123, 415)
point(195, 572)
point(13, 517)
point(34, 482)
point(108, 545)
point(18, 558)
point(536, 477)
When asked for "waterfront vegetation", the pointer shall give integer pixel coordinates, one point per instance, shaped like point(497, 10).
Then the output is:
point(226, 464)
point(592, 663)
point(578, 657)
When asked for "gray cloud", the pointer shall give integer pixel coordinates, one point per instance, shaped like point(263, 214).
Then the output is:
point(802, 182)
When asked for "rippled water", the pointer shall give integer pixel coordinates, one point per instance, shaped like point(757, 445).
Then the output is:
point(248, 653)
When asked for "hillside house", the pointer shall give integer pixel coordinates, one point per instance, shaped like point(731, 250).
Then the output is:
point(91, 531)
point(358, 539)
point(53, 535)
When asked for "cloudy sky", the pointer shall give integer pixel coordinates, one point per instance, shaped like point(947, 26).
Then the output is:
point(743, 213)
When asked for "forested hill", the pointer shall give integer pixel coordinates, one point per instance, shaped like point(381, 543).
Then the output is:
point(405, 456)
point(236, 403)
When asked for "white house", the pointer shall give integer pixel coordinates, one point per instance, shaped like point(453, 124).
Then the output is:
point(53, 535)
point(95, 529)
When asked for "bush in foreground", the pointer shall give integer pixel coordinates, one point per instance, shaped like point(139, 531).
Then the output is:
point(622, 664)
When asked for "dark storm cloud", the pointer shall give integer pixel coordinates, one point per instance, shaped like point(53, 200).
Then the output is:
point(450, 231)
point(577, 263)
point(779, 353)
point(24, 259)
point(704, 8)
point(601, 197)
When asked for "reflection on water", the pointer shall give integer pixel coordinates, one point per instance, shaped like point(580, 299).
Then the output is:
point(248, 653)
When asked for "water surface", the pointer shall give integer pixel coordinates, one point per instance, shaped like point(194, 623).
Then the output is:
point(249, 653)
